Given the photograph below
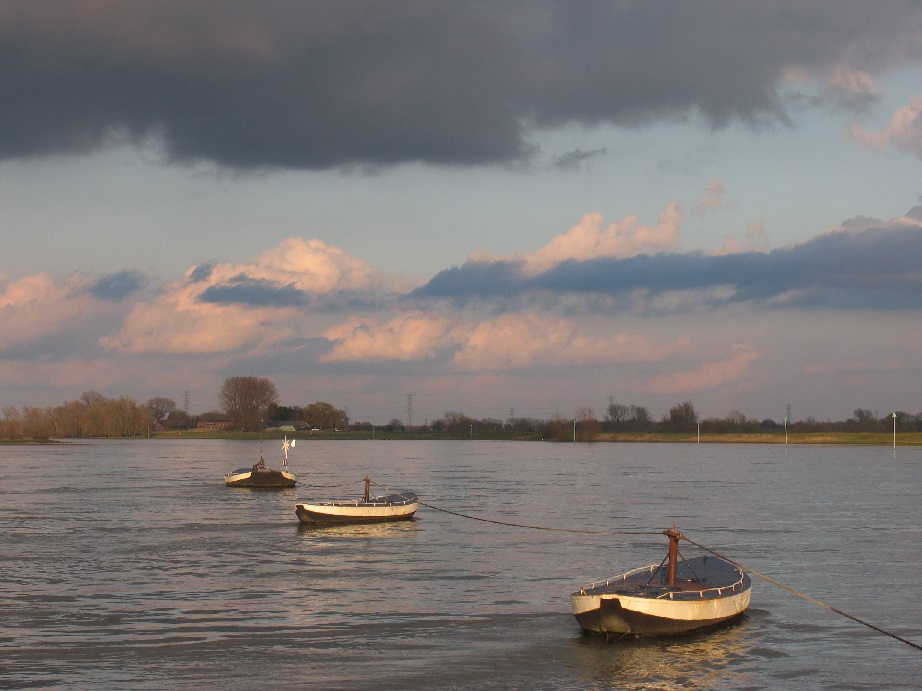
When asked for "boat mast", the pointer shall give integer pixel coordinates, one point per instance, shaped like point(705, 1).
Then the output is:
point(671, 568)
point(287, 445)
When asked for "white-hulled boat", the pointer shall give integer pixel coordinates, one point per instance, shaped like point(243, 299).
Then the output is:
point(368, 509)
point(684, 596)
point(261, 475)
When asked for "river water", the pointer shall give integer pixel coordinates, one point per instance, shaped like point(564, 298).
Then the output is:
point(129, 564)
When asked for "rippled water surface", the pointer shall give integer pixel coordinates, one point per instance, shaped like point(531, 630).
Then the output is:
point(129, 564)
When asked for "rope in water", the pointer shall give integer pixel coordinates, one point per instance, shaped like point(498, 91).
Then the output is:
point(540, 527)
point(804, 595)
point(522, 525)
point(687, 539)
point(339, 486)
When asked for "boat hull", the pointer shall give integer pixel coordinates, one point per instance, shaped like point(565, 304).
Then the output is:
point(357, 511)
point(260, 478)
point(629, 606)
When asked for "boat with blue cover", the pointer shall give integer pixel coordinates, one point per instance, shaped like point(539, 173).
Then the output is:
point(677, 596)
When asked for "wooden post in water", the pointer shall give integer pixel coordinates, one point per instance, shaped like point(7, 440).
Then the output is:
point(367, 488)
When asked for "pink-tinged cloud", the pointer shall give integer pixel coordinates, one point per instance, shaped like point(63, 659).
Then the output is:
point(839, 85)
point(514, 341)
point(848, 86)
point(36, 306)
point(405, 337)
point(903, 131)
point(589, 240)
point(511, 341)
point(72, 374)
point(168, 327)
point(181, 320)
point(713, 197)
point(709, 375)
point(755, 241)
point(309, 265)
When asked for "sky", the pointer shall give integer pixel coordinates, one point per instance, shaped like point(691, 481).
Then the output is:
point(501, 209)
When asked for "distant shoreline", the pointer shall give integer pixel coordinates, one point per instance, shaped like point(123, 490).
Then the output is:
point(903, 439)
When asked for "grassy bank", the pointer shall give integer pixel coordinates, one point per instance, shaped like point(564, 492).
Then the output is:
point(832, 438)
point(845, 438)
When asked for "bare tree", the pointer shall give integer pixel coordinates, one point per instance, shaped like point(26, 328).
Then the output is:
point(246, 401)
point(324, 415)
point(586, 423)
point(160, 408)
point(618, 412)
point(682, 417)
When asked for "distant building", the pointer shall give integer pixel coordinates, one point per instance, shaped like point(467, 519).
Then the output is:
point(288, 425)
point(213, 424)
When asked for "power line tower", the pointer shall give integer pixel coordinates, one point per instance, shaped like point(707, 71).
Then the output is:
point(185, 402)
point(409, 410)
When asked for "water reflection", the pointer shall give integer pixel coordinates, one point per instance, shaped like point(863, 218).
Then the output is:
point(714, 658)
point(393, 529)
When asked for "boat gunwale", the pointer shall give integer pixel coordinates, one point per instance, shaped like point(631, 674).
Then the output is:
point(360, 503)
point(406, 498)
point(671, 593)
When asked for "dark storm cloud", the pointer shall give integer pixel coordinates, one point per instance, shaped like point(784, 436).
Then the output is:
point(574, 159)
point(202, 272)
point(117, 286)
point(878, 269)
point(254, 293)
point(317, 84)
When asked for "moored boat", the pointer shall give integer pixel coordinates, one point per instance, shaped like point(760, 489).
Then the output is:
point(682, 596)
point(261, 475)
point(399, 506)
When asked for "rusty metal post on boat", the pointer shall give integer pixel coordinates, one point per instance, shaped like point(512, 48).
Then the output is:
point(674, 536)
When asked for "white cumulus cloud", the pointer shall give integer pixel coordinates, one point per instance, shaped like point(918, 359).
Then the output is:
point(588, 239)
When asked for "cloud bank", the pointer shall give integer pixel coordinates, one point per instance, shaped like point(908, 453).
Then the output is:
point(597, 304)
point(314, 85)
point(873, 268)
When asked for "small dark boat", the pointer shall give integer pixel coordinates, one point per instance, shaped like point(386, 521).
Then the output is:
point(368, 509)
point(655, 600)
point(261, 475)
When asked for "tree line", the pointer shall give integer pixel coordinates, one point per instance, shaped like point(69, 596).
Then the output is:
point(248, 404)
point(251, 404)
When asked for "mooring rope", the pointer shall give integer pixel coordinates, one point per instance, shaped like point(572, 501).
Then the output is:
point(687, 539)
point(804, 595)
point(344, 484)
point(541, 527)
point(522, 525)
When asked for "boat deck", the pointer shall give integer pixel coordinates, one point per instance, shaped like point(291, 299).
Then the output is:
point(700, 577)
point(390, 500)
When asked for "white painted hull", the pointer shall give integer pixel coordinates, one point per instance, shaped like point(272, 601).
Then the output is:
point(357, 511)
point(628, 605)
point(260, 478)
